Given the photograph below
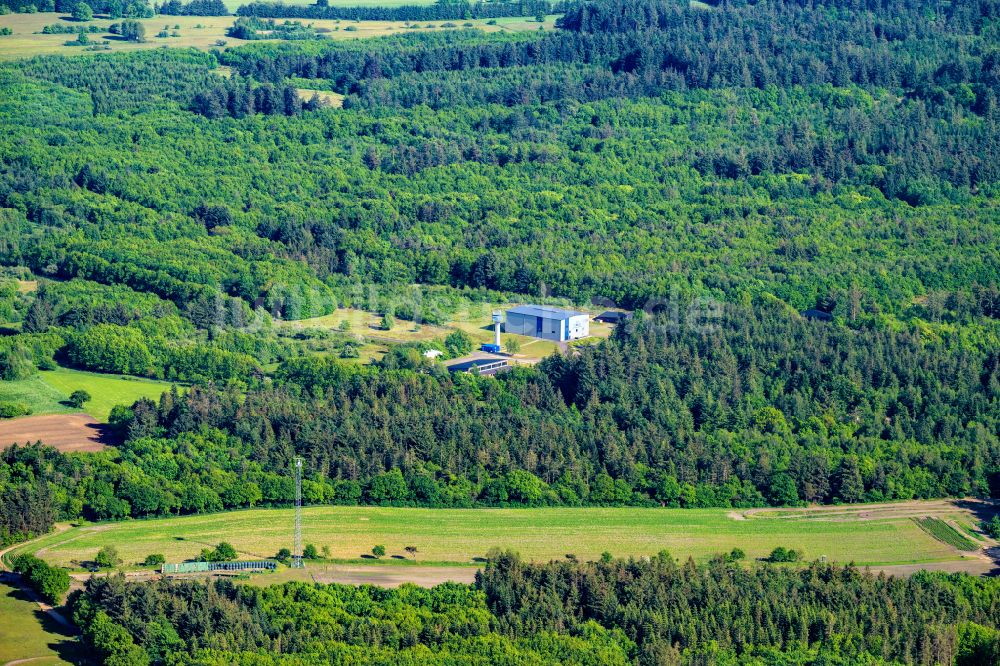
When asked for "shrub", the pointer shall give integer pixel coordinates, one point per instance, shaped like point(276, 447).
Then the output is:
point(11, 410)
point(782, 554)
point(458, 343)
point(82, 12)
point(107, 557)
point(224, 552)
point(378, 551)
point(310, 552)
point(154, 560)
point(78, 397)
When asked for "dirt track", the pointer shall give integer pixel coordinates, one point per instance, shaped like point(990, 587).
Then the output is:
point(65, 432)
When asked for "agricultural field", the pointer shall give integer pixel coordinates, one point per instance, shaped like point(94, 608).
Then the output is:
point(881, 536)
point(28, 635)
point(203, 32)
point(47, 392)
point(68, 433)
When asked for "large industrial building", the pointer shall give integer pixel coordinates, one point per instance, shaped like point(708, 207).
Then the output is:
point(544, 321)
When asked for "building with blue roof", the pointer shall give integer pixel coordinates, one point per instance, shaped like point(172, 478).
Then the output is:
point(547, 322)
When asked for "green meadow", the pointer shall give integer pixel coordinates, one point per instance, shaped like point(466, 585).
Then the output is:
point(464, 535)
point(47, 391)
point(28, 634)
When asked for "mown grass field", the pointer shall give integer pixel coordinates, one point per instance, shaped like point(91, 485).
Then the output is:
point(461, 535)
point(106, 391)
point(205, 32)
point(47, 391)
point(26, 633)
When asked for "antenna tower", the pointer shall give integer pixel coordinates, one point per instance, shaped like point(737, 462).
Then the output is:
point(297, 550)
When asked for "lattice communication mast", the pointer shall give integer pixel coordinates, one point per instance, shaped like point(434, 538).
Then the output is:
point(297, 550)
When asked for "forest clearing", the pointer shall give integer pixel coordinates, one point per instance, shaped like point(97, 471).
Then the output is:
point(869, 535)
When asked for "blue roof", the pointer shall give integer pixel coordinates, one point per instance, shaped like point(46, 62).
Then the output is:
point(545, 311)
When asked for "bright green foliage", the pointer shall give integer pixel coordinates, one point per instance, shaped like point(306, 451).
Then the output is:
point(50, 582)
point(458, 343)
point(107, 557)
point(11, 410)
point(223, 552)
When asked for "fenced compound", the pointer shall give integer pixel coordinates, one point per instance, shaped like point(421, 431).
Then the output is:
point(205, 567)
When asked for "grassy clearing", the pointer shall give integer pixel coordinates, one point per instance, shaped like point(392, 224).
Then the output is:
point(944, 532)
point(331, 99)
point(200, 32)
point(477, 323)
point(47, 391)
point(27, 633)
point(460, 536)
point(106, 391)
point(41, 397)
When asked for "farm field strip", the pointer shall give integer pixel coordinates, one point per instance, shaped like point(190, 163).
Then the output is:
point(460, 536)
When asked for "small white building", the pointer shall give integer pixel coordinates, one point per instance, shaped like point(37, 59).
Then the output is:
point(547, 322)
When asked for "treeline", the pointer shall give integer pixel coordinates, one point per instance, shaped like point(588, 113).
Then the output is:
point(810, 412)
point(193, 8)
point(50, 582)
point(725, 613)
point(609, 612)
point(237, 98)
point(439, 11)
point(114, 9)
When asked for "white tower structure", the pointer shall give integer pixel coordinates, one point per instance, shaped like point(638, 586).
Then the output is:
point(497, 320)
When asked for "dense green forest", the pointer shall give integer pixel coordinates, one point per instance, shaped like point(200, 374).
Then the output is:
point(723, 167)
point(608, 612)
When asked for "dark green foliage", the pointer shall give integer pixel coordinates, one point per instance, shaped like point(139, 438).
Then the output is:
point(378, 551)
point(454, 10)
point(132, 31)
point(251, 28)
point(82, 12)
point(782, 554)
point(193, 8)
point(154, 560)
point(78, 397)
point(446, 625)
point(569, 612)
point(50, 582)
point(224, 552)
point(310, 552)
point(992, 527)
